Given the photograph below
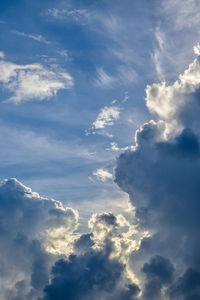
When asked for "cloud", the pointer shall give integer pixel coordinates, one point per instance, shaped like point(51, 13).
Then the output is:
point(107, 117)
point(125, 75)
point(32, 81)
point(175, 103)
point(104, 79)
point(37, 37)
point(100, 271)
point(2, 55)
point(161, 175)
point(27, 222)
point(102, 174)
point(90, 276)
point(159, 273)
point(187, 286)
point(179, 13)
point(114, 147)
point(43, 257)
point(78, 15)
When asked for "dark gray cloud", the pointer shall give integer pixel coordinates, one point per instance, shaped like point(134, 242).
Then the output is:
point(90, 276)
point(159, 273)
point(187, 287)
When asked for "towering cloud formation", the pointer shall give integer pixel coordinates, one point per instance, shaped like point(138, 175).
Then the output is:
point(162, 177)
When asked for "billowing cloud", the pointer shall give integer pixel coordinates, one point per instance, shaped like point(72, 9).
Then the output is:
point(161, 176)
point(100, 271)
point(177, 104)
point(43, 257)
point(34, 81)
point(27, 241)
point(91, 276)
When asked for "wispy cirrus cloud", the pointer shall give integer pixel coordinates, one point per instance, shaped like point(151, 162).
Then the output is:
point(124, 75)
point(35, 37)
point(32, 81)
point(104, 79)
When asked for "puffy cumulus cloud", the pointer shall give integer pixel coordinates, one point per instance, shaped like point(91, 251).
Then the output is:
point(177, 103)
point(161, 175)
point(28, 242)
point(99, 267)
point(91, 276)
point(33, 81)
point(118, 235)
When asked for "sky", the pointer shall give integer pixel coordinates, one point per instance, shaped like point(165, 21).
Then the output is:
point(100, 149)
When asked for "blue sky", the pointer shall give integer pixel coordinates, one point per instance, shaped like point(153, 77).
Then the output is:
point(80, 81)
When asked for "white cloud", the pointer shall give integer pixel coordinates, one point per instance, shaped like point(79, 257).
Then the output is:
point(124, 75)
point(32, 81)
point(104, 79)
point(36, 37)
point(107, 117)
point(115, 147)
point(170, 102)
point(196, 49)
point(2, 55)
point(76, 14)
point(102, 174)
